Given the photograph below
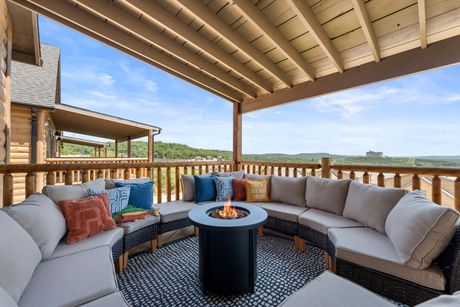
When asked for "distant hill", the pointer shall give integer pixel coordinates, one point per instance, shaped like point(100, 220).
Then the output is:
point(174, 151)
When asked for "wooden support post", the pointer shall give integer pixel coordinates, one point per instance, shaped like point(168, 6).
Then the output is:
point(120, 263)
point(457, 193)
point(159, 189)
point(326, 164)
point(237, 135)
point(116, 148)
point(168, 184)
point(177, 183)
point(129, 147)
point(150, 146)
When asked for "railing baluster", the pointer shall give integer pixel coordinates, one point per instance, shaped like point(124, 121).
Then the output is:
point(193, 170)
point(85, 176)
point(207, 168)
point(436, 190)
point(366, 178)
point(381, 180)
point(50, 179)
point(68, 177)
point(286, 171)
point(177, 183)
point(304, 172)
point(213, 168)
point(352, 175)
point(127, 173)
point(159, 189)
point(313, 172)
point(200, 170)
point(168, 184)
point(457, 193)
point(415, 182)
point(138, 172)
point(30, 184)
point(265, 170)
point(279, 171)
point(340, 174)
point(397, 180)
point(8, 188)
point(295, 171)
point(100, 174)
point(113, 173)
point(186, 170)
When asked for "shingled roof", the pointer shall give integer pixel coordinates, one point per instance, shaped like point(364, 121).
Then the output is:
point(37, 85)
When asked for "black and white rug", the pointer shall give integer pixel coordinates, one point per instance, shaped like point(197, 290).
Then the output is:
point(169, 277)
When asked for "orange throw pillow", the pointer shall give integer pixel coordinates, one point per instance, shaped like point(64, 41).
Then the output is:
point(239, 189)
point(258, 190)
point(86, 217)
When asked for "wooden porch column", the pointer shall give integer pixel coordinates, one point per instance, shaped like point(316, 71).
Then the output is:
point(129, 146)
point(150, 146)
point(116, 148)
point(326, 163)
point(237, 135)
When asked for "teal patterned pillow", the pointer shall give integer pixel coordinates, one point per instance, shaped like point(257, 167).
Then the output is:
point(118, 197)
point(224, 188)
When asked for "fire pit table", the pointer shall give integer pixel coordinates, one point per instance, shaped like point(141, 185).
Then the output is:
point(228, 246)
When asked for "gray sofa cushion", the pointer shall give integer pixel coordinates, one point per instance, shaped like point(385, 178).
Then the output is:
point(19, 257)
point(65, 192)
point(129, 227)
point(110, 183)
point(256, 177)
point(288, 190)
point(115, 299)
point(42, 219)
point(331, 290)
point(175, 210)
point(322, 221)
point(372, 249)
point(106, 238)
point(284, 211)
point(188, 187)
point(443, 301)
point(236, 175)
point(420, 229)
point(71, 280)
point(96, 184)
point(327, 194)
point(370, 205)
point(6, 300)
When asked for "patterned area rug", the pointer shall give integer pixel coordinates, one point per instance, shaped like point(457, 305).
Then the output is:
point(169, 277)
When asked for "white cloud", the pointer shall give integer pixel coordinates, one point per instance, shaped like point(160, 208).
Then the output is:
point(139, 77)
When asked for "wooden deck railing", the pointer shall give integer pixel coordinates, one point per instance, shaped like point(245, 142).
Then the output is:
point(280, 169)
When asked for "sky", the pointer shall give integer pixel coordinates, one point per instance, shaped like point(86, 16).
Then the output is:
point(410, 116)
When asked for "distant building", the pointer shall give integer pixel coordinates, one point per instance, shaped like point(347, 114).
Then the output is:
point(374, 154)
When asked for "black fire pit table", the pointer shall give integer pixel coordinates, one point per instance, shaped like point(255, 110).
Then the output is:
point(228, 248)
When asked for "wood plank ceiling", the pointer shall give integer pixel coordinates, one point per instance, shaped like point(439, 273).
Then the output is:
point(265, 52)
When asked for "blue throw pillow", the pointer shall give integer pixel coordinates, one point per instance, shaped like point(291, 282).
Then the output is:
point(118, 198)
point(141, 194)
point(205, 188)
point(224, 188)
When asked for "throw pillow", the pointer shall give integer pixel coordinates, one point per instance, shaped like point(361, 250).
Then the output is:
point(205, 188)
point(327, 194)
point(258, 190)
point(288, 190)
point(370, 205)
point(42, 219)
point(224, 188)
point(188, 187)
point(420, 229)
point(86, 217)
point(140, 195)
point(239, 189)
point(118, 197)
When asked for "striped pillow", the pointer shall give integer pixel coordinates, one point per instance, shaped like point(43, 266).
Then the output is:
point(118, 197)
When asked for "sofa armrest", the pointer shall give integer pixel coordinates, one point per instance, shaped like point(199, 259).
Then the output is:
point(449, 263)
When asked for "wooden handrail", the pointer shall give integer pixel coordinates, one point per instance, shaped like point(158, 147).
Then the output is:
point(429, 171)
point(310, 165)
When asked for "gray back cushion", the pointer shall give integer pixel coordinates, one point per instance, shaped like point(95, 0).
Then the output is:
point(188, 187)
point(420, 229)
point(288, 190)
point(97, 184)
point(236, 175)
point(65, 192)
point(370, 205)
point(19, 257)
point(110, 183)
point(42, 219)
point(256, 177)
point(327, 194)
point(6, 300)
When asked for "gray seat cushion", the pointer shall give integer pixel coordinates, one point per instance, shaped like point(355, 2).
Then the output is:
point(327, 194)
point(71, 280)
point(129, 227)
point(6, 300)
point(370, 205)
point(288, 190)
point(115, 299)
point(65, 192)
point(175, 210)
point(443, 301)
point(42, 219)
point(106, 238)
point(420, 229)
point(322, 221)
point(331, 290)
point(284, 211)
point(19, 257)
point(372, 249)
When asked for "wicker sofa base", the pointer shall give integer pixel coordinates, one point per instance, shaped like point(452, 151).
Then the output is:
point(174, 225)
point(140, 236)
point(313, 237)
point(282, 226)
point(117, 249)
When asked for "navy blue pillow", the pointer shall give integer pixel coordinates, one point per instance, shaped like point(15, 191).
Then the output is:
point(141, 194)
point(205, 188)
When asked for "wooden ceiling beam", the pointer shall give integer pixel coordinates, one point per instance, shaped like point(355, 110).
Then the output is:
point(366, 26)
point(263, 24)
point(75, 18)
point(153, 11)
point(308, 19)
point(131, 24)
point(422, 22)
point(440, 54)
point(202, 12)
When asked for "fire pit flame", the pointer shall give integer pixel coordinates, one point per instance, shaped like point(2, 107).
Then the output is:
point(228, 212)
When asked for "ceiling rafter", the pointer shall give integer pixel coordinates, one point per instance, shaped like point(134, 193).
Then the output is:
point(422, 22)
point(130, 23)
point(71, 16)
point(366, 26)
point(209, 18)
point(308, 19)
point(159, 15)
point(263, 24)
